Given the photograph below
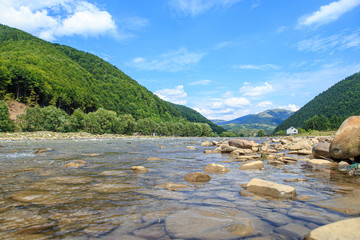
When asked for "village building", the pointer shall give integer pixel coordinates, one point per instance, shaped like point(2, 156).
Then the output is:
point(292, 131)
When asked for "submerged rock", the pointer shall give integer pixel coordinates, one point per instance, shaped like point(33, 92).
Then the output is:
point(216, 168)
point(76, 164)
point(112, 187)
point(321, 162)
point(42, 197)
point(271, 189)
point(346, 143)
point(172, 186)
point(348, 204)
point(43, 150)
point(197, 177)
point(341, 230)
point(211, 223)
point(113, 173)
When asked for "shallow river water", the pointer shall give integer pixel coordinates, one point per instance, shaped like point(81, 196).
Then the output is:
point(41, 198)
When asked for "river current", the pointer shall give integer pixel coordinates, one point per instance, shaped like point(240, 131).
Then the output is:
point(104, 199)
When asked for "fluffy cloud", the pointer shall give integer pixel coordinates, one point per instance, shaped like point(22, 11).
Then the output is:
point(172, 61)
point(263, 67)
point(55, 18)
point(175, 95)
point(291, 107)
point(248, 90)
point(264, 104)
point(197, 7)
point(328, 13)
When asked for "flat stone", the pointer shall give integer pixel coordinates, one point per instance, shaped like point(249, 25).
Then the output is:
point(341, 230)
point(348, 204)
point(112, 187)
point(293, 230)
point(42, 197)
point(43, 150)
point(252, 165)
point(153, 159)
point(216, 168)
point(296, 180)
point(271, 189)
point(113, 173)
point(172, 186)
point(321, 162)
point(210, 223)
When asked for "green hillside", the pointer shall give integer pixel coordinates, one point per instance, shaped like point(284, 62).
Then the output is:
point(38, 72)
point(338, 102)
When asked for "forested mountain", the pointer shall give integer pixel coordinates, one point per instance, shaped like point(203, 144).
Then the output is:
point(269, 117)
point(338, 102)
point(38, 72)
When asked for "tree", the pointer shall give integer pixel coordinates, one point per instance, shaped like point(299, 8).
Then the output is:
point(6, 124)
point(261, 133)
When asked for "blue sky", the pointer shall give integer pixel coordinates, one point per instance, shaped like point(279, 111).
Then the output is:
point(223, 58)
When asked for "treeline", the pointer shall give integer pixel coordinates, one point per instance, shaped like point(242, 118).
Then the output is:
point(319, 123)
point(99, 122)
point(338, 102)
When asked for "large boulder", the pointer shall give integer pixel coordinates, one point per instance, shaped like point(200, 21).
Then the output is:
point(341, 230)
point(271, 189)
point(216, 168)
point(321, 150)
point(301, 144)
point(240, 143)
point(346, 143)
point(225, 148)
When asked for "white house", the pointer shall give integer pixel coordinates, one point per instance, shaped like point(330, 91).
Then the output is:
point(292, 131)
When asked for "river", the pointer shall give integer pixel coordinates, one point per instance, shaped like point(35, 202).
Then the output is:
point(41, 198)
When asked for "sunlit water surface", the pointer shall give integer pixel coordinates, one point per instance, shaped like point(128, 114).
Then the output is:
point(75, 206)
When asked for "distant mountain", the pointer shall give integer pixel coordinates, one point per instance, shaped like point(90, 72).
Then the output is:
point(34, 71)
point(272, 117)
point(339, 101)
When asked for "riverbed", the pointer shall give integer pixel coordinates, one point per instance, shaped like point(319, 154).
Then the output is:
point(42, 198)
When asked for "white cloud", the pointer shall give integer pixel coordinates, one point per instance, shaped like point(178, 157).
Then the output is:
point(328, 13)
point(291, 107)
point(264, 104)
point(248, 90)
point(172, 61)
point(201, 82)
point(55, 18)
point(197, 7)
point(263, 67)
point(175, 95)
point(340, 41)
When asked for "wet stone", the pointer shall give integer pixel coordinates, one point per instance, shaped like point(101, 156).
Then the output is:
point(203, 223)
point(20, 219)
point(348, 204)
point(293, 230)
point(172, 186)
point(112, 187)
point(42, 197)
point(113, 173)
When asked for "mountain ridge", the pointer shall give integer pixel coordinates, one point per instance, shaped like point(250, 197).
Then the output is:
point(341, 100)
point(35, 71)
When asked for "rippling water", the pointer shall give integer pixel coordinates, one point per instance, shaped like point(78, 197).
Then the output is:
point(79, 203)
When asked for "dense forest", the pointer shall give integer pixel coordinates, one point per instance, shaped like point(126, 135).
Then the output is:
point(328, 109)
point(37, 72)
